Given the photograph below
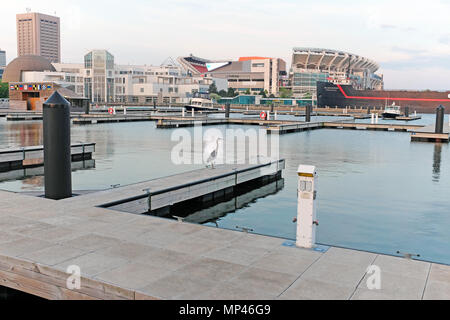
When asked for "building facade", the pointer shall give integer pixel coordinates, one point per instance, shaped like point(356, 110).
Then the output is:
point(2, 58)
point(99, 76)
point(248, 74)
point(310, 65)
point(39, 34)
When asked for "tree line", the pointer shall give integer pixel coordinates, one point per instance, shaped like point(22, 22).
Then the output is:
point(231, 93)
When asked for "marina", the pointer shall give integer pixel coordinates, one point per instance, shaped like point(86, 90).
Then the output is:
point(231, 169)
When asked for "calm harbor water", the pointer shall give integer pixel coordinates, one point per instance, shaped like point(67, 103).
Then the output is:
point(377, 191)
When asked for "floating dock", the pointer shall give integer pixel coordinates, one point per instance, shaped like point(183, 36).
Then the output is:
point(428, 134)
point(26, 157)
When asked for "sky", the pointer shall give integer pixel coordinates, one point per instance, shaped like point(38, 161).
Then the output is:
point(409, 39)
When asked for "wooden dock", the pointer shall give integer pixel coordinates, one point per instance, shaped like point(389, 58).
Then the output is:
point(205, 185)
point(427, 134)
point(136, 257)
point(26, 157)
point(369, 126)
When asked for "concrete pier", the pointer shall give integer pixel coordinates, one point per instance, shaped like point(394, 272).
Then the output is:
point(133, 257)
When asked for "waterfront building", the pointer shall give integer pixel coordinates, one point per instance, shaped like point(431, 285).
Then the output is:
point(165, 84)
point(32, 79)
point(99, 76)
point(248, 74)
point(39, 34)
point(310, 65)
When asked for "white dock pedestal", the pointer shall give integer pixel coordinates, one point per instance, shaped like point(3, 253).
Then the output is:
point(306, 213)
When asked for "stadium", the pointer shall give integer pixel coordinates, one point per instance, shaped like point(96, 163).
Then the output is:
point(310, 65)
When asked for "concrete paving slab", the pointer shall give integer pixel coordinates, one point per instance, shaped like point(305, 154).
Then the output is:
point(285, 263)
point(396, 286)
point(272, 283)
point(56, 234)
point(403, 267)
point(437, 290)
point(216, 234)
point(92, 264)
point(228, 291)
point(215, 270)
point(439, 273)
point(22, 246)
point(242, 255)
point(53, 255)
point(92, 242)
point(9, 237)
point(350, 257)
point(341, 274)
point(178, 286)
point(167, 259)
point(133, 275)
point(309, 289)
point(195, 246)
point(127, 250)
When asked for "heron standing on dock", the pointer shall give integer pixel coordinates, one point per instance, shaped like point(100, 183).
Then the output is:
point(211, 151)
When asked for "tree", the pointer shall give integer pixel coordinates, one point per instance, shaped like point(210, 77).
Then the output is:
point(231, 93)
point(247, 91)
point(263, 93)
point(307, 96)
point(223, 93)
point(4, 90)
point(215, 97)
point(272, 96)
point(213, 88)
point(285, 93)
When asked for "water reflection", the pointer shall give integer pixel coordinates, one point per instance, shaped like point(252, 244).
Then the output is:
point(437, 162)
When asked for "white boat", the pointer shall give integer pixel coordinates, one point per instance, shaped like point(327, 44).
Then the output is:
point(391, 112)
point(200, 104)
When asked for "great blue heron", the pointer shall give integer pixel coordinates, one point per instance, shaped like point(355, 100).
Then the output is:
point(211, 151)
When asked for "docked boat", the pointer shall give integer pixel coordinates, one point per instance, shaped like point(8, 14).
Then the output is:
point(345, 95)
point(201, 102)
point(391, 112)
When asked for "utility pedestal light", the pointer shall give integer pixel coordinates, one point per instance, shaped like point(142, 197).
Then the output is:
point(306, 213)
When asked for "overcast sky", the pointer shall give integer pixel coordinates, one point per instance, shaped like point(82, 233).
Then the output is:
point(409, 39)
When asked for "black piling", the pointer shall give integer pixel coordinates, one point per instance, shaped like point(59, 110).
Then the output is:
point(308, 114)
point(440, 111)
point(57, 152)
point(406, 111)
point(227, 110)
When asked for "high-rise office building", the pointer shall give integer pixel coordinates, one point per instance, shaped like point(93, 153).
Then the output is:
point(2, 58)
point(39, 34)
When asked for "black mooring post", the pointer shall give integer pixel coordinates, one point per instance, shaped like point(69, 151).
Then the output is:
point(406, 111)
point(440, 119)
point(87, 107)
point(308, 114)
point(57, 153)
point(369, 109)
point(227, 110)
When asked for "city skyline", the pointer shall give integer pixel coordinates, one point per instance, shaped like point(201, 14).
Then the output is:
point(409, 41)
